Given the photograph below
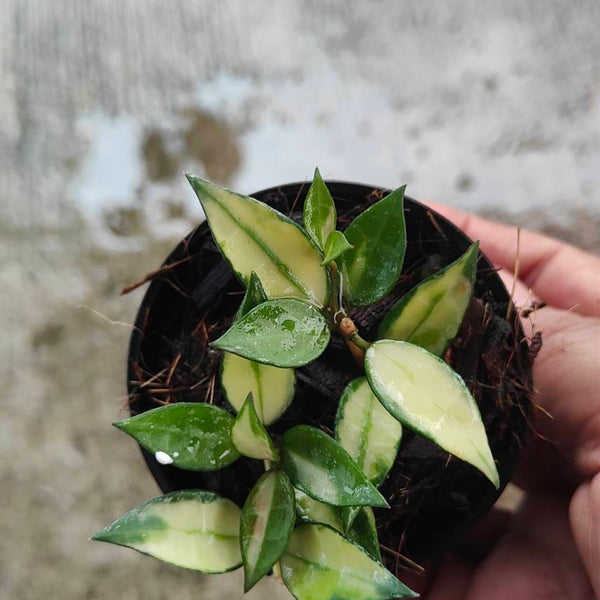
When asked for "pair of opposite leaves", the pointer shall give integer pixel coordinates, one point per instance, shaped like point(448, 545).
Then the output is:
point(289, 260)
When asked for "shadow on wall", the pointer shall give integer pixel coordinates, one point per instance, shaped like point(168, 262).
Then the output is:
point(206, 139)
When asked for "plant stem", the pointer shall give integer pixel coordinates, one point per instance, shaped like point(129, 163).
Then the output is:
point(357, 354)
point(335, 303)
point(358, 345)
point(360, 342)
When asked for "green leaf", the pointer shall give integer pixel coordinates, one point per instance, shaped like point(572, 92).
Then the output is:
point(272, 388)
point(267, 522)
point(320, 467)
point(250, 437)
point(426, 395)
point(255, 295)
point(319, 211)
point(340, 518)
point(192, 529)
point(335, 246)
point(431, 314)
point(254, 237)
point(284, 333)
point(190, 435)
point(378, 236)
point(319, 564)
point(312, 511)
point(347, 515)
point(367, 431)
point(363, 532)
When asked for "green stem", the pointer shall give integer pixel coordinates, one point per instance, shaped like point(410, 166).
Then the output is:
point(334, 304)
point(359, 341)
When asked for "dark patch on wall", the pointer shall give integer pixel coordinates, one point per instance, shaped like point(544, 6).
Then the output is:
point(48, 335)
point(212, 142)
point(204, 138)
point(124, 221)
point(160, 163)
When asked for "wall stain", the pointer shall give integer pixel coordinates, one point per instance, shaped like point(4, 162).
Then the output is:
point(124, 221)
point(205, 139)
point(49, 335)
point(160, 163)
point(464, 182)
point(211, 142)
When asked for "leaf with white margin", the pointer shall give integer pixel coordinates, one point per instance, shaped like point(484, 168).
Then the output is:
point(321, 468)
point(319, 215)
point(425, 394)
point(367, 431)
point(250, 437)
point(271, 387)
point(430, 315)
point(191, 528)
point(267, 521)
point(320, 564)
point(284, 333)
point(254, 237)
point(189, 435)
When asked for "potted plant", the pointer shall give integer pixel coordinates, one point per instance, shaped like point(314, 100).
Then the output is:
point(328, 406)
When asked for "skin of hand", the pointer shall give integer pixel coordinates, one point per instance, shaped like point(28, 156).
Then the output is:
point(550, 548)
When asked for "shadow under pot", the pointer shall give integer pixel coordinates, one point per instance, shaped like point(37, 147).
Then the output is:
point(434, 497)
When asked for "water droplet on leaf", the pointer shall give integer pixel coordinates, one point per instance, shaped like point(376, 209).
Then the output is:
point(163, 458)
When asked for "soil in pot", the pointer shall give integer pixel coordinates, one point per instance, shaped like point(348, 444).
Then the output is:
point(434, 497)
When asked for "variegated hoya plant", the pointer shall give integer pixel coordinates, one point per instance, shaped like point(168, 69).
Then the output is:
point(309, 519)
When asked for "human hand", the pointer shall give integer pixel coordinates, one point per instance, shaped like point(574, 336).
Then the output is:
point(550, 548)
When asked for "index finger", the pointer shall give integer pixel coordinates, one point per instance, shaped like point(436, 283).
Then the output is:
point(558, 273)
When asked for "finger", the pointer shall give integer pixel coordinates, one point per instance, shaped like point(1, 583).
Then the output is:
point(451, 580)
point(567, 378)
point(543, 463)
point(482, 538)
point(560, 274)
point(536, 560)
point(522, 296)
point(584, 513)
point(566, 418)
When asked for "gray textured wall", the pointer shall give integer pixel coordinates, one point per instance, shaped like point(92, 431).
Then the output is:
point(493, 106)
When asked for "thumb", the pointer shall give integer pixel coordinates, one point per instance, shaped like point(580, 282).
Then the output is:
point(566, 376)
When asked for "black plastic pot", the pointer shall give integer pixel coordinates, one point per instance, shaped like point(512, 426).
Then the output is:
point(435, 498)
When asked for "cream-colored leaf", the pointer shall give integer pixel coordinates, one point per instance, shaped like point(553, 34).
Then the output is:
point(192, 529)
point(430, 315)
point(319, 564)
point(271, 387)
point(367, 431)
point(254, 237)
point(426, 395)
point(250, 437)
